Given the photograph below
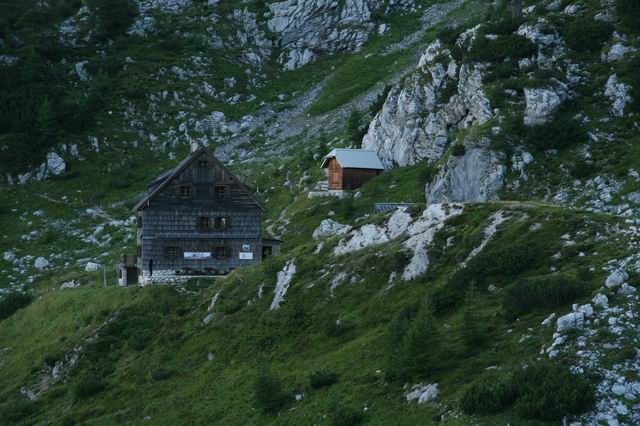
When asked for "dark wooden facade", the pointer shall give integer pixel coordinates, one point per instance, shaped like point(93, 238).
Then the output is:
point(347, 178)
point(198, 219)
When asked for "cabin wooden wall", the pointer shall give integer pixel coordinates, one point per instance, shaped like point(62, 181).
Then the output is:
point(335, 174)
point(355, 178)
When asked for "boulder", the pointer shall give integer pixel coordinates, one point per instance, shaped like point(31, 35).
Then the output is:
point(41, 263)
point(570, 321)
point(542, 103)
point(601, 301)
point(330, 228)
point(617, 52)
point(422, 393)
point(55, 164)
point(618, 93)
point(616, 278)
point(91, 267)
point(476, 176)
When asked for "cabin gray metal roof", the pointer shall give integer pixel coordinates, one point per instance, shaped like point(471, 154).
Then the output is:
point(354, 159)
point(165, 179)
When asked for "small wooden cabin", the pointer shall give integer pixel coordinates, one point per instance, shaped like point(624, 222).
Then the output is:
point(196, 219)
point(350, 168)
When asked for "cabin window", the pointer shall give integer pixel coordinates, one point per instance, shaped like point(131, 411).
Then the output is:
point(204, 223)
point(172, 252)
point(221, 191)
point(222, 222)
point(222, 252)
point(203, 164)
point(185, 191)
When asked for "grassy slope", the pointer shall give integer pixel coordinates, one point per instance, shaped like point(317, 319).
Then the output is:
point(157, 329)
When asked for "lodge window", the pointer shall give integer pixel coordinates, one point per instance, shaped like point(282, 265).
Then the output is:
point(221, 191)
point(204, 223)
point(185, 191)
point(203, 164)
point(222, 252)
point(172, 252)
point(222, 222)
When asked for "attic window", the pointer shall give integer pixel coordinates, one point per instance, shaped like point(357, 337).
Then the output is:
point(185, 192)
point(203, 164)
point(220, 191)
point(172, 252)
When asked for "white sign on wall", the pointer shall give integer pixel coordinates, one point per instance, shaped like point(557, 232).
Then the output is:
point(197, 255)
point(246, 255)
point(246, 247)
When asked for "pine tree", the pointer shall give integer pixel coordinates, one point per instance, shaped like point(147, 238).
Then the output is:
point(473, 331)
point(354, 126)
point(420, 355)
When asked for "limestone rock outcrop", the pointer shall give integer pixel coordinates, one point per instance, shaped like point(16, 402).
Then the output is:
point(419, 113)
point(476, 176)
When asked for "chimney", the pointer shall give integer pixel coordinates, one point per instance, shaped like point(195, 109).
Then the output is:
point(194, 146)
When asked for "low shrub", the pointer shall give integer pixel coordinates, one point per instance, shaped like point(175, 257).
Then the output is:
point(161, 374)
point(511, 46)
point(449, 35)
point(628, 14)
point(549, 291)
point(489, 395)
point(585, 34)
point(12, 302)
point(542, 391)
point(89, 385)
point(16, 412)
point(321, 379)
point(505, 26)
point(562, 132)
point(346, 416)
point(267, 391)
point(550, 392)
point(458, 150)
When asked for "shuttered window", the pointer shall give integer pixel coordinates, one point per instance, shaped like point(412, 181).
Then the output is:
point(221, 192)
point(185, 192)
point(222, 222)
point(172, 252)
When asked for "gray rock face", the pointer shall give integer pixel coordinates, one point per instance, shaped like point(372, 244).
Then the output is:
point(55, 164)
point(616, 53)
point(414, 123)
point(476, 176)
point(618, 93)
point(309, 28)
point(543, 103)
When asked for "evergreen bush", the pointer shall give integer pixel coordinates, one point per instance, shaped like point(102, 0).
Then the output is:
point(628, 14)
point(267, 391)
point(542, 391)
point(321, 379)
point(12, 302)
point(585, 34)
point(549, 291)
point(89, 385)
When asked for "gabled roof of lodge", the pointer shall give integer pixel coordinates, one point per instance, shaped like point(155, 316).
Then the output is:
point(354, 159)
point(167, 177)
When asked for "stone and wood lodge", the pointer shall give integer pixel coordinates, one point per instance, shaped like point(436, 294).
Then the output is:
point(196, 219)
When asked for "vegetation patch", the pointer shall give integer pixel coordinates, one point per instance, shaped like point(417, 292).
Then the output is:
point(12, 302)
point(541, 391)
point(550, 291)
